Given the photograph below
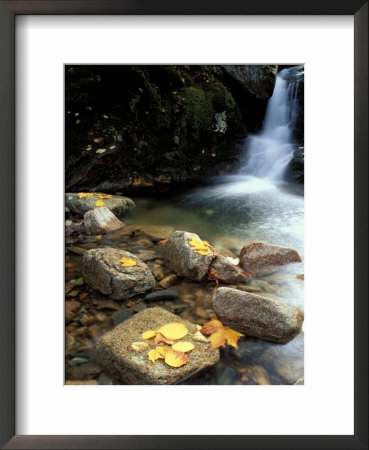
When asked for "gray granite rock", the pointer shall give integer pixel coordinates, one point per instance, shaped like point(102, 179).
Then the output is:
point(258, 257)
point(227, 271)
point(101, 221)
point(184, 260)
point(79, 206)
point(103, 271)
point(257, 316)
point(128, 366)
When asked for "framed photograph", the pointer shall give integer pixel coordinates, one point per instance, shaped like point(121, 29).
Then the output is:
point(185, 226)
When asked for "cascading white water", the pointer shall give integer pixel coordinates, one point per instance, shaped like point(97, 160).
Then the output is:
point(270, 151)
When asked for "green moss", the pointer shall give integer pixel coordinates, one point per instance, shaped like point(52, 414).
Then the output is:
point(221, 98)
point(197, 110)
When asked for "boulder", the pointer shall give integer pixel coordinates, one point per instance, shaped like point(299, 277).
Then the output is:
point(259, 80)
point(101, 221)
point(258, 257)
point(295, 169)
point(121, 362)
point(103, 271)
point(183, 259)
point(257, 316)
point(80, 205)
point(226, 271)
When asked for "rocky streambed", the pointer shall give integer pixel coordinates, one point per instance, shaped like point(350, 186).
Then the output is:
point(123, 275)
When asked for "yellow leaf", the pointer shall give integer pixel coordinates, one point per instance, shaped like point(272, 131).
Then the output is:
point(160, 338)
point(158, 353)
point(99, 203)
point(85, 194)
point(176, 359)
point(104, 195)
point(127, 262)
point(162, 109)
point(232, 337)
point(148, 334)
point(218, 339)
point(78, 121)
point(162, 351)
point(183, 347)
point(96, 139)
point(219, 334)
point(201, 247)
point(173, 330)
point(153, 355)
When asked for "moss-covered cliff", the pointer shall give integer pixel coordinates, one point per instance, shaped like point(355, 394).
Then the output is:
point(142, 125)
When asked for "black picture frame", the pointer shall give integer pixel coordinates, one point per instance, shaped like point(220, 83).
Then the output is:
point(8, 11)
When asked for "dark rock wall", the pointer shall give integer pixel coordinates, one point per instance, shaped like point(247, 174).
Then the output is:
point(145, 125)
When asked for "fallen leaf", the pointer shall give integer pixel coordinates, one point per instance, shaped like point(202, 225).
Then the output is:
point(219, 334)
point(104, 195)
point(201, 247)
point(153, 355)
point(163, 241)
point(183, 347)
point(214, 275)
point(99, 203)
point(199, 337)
point(174, 331)
point(211, 327)
point(163, 350)
point(232, 337)
point(176, 359)
point(126, 262)
point(213, 155)
point(148, 334)
point(158, 353)
point(161, 338)
point(218, 339)
point(85, 194)
point(139, 346)
point(78, 121)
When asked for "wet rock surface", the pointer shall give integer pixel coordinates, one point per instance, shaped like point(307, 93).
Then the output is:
point(257, 79)
point(103, 271)
point(101, 221)
point(226, 270)
point(184, 260)
point(121, 362)
point(257, 316)
point(117, 204)
point(260, 257)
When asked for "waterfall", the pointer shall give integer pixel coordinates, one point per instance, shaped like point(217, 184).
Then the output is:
point(269, 152)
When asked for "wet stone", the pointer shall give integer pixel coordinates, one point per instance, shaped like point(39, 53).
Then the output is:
point(257, 316)
point(121, 363)
point(162, 295)
point(184, 260)
point(118, 205)
point(101, 221)
point(259, 257)
point(103, 271)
